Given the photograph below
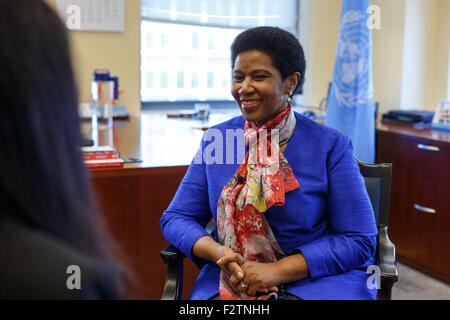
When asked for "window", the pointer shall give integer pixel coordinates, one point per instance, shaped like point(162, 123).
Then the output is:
point(149, 39)
point(149, 79)
point(194, 80)
point(164, 40)
point(204, 56)
point(210, 81)
point(180, 79)
point(195, 40)
point(164, 83)
point(185, 44)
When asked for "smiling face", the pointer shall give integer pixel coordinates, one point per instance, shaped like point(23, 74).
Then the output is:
point(258, 87)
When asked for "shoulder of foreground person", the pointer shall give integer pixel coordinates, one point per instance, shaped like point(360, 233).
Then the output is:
point(38, 266)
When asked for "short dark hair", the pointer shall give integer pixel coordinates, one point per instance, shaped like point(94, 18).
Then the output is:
point(282, 46)
point(43, 182)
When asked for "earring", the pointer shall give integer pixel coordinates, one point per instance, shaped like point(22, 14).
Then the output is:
point(289, 98)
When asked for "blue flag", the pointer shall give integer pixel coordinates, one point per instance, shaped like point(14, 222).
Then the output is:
point(350, 107)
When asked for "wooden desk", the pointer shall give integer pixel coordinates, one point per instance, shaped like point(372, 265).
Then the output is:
point(134, 197)
point(420, 180)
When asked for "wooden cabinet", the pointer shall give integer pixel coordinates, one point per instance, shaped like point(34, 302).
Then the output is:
point(420, 199)
point(132, 200)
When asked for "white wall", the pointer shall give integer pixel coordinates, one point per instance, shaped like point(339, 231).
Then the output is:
point(443, 51)
point(318, 30)
point(388, 54)
point(411, 51)
point(448, 78)
point(427, 46)
point(419, 54)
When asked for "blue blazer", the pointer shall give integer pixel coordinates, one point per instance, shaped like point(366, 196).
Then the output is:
point(329, 218)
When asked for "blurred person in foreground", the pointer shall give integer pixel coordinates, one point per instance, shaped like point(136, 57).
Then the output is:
point(54, 243)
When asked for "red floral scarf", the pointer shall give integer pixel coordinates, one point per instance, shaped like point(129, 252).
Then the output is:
point(260, 182)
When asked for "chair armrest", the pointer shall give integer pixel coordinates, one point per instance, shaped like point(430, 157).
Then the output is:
point(388, 266)
point(173, 286)
point(386, 253)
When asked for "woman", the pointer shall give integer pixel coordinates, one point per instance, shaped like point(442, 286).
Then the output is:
point(293, 218)
point(54, 244)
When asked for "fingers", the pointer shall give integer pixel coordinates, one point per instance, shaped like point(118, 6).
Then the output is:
point(231, 268)
point(233, 264)
point(234, 257)
point(273, 289)
point(235, 269)
point(253, 290)
point(230, 264)
point(236, 274)
point(246, 285)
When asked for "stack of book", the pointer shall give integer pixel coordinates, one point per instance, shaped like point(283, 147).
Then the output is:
point(101, 157)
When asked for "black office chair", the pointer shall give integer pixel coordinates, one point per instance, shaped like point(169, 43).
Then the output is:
point(377, 178)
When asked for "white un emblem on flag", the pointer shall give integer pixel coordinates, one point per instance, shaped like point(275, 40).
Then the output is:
point(351, 80)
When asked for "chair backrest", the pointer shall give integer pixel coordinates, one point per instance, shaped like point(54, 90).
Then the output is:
point(378, 184)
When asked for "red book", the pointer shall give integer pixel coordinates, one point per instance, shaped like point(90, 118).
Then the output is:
point(100, 155)
point(101, 164)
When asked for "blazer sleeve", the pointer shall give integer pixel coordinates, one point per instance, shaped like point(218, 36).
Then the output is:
point(184, 221)
point(352, 240)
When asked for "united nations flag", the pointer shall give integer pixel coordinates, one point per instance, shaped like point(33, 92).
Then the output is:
point(350, 107)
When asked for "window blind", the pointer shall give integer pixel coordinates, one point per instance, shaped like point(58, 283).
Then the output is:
point(241, 14)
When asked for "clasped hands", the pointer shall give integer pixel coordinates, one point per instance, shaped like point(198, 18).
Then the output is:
point(250, 277)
